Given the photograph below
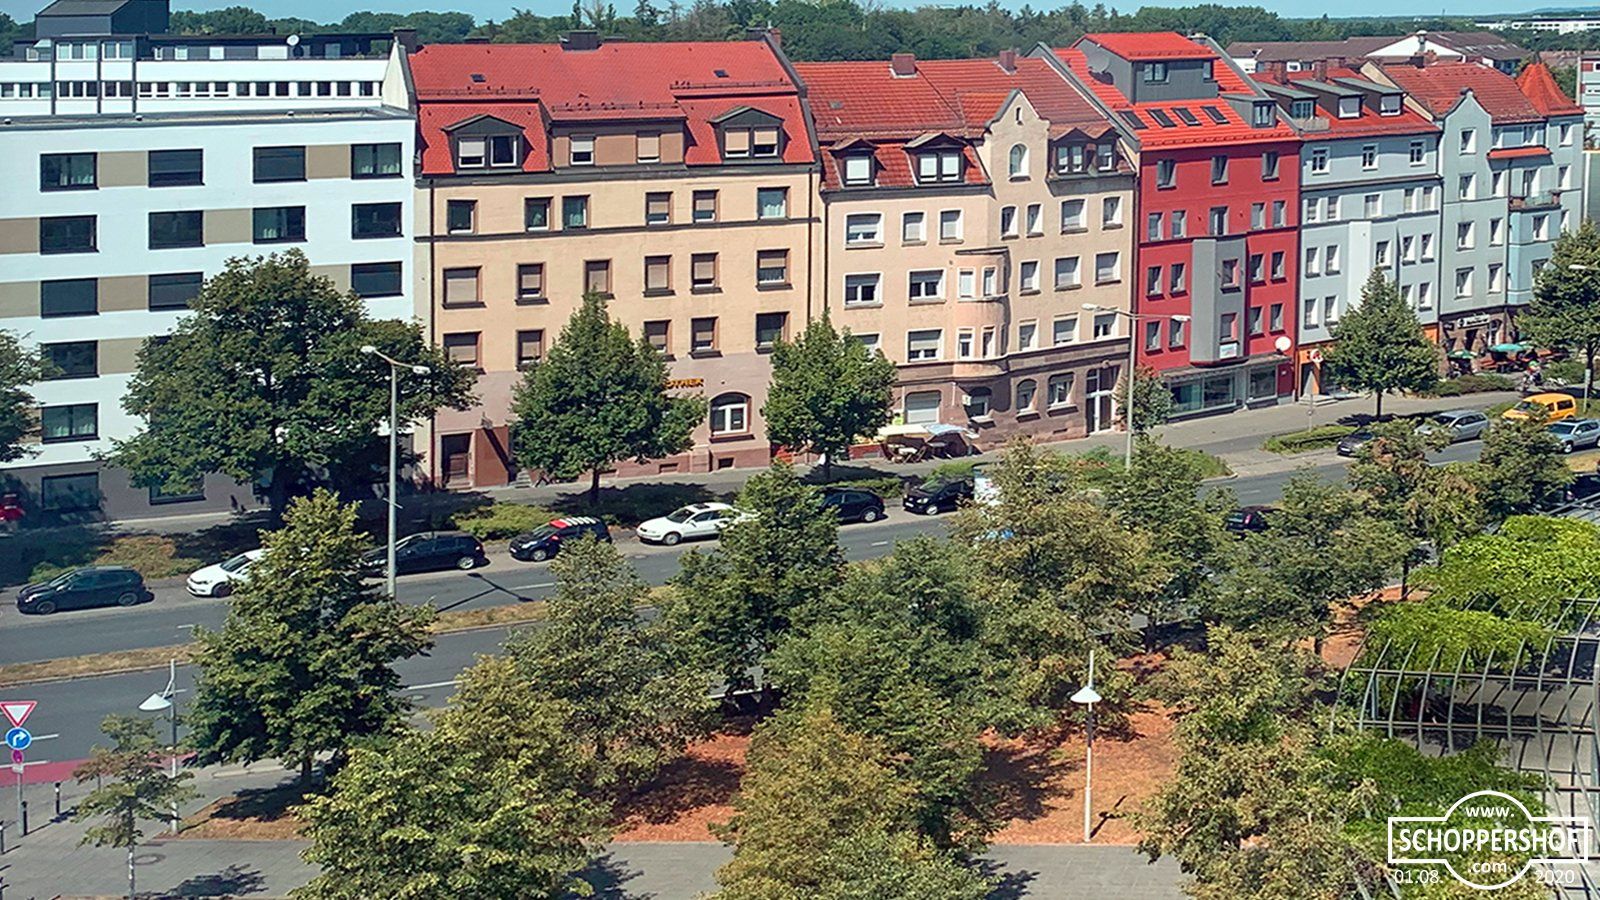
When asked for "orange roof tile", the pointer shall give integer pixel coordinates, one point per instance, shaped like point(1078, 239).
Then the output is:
point(1439, 87)
point(1539, 86)
point(1137, 45)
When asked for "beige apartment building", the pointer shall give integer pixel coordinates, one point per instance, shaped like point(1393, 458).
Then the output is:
point(676, 179)
point(978, 220)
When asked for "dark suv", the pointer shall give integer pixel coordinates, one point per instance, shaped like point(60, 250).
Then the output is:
point(84, 588)
point(545, 541)
point(853, 505)
point(427, 552)
point(937, 495)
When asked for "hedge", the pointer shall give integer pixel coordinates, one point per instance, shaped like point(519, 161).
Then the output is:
point(1473, 384)
point(1306, 441)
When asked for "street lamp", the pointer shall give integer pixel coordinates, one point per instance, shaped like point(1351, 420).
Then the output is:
point(1088, 697)
point(394, 446)
point(1588, 369)
point(1133, 362)
point(163, 702)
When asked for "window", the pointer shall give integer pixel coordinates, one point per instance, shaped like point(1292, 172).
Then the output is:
point(1228, 328)
point(1072, 215)
point(1369, 156)
point(70, 493)
point(1019, 161)
point(1071, 159)
point(1463, 282)
point(375, 161)
point(1111, 212)
point(72, 359)
point(77, 422)
point(1253, 317)
point(966, 284)
point(1219, 170)
point(1312, 315)
point(177, 229)
point(1563, 177)
point(1107, 267)
point(703, 272)
point(174, 291)
point(1178, 278)
point(1497, 232)
point(1566, 134)
point(597, 277)
point(979, 400)
point(657, 274)
point(582, 150)
point(1497, 183)
point(1418, 152)
point(1067, 272)
point(913, 228)
point(574, 212)
point(1465, 187)
point(1372, 205)
point(861, 290)
point(1541, 228)
point(858, 170)
point(460, 216)
point(1408, 249)
point(1319, 160)
point(1229, 273)
point(924, 344)
point(647, 147)
point(1380, 253)
point(1333, 208)
point(536, 214)
point(658, 334)
point(1313, 264)
point(366, 280)
point(1059, 388)
point(863, 229)
point(1153, 73)
point(1008, 221)
point(1180, 223)
point(772, 267)
point(461, 348)
point(1312, 214)
point(1152, 336)
point(1028, 276)
point(1152, 281)
point(69, 297)
point(730, 414)
point(926, 285)
point(1064, 330)
point(504, 150)
point(657, 208)
point(1166, 173)
point(1269, 165)
point(1469, 141)
point(280, 164)
point(461, 287)
point(1427, 246)
point(1258, 216)
point(530, 347)
point(367, 220)
point(1034, 219)
point(703, 334)
point(1175, 336)
point(1027, 395)
point(67, 234)
point(965, 339)
point(173, 168)
point(1219, 220)
point(1152, 228)
point(281, 224)
point(705, 206)
point(1497, 275)
point(1464, 236)
point(772, 203)
point(530, 282)
point(1256, 266)
point(1424, 295)
point(1028, 336)
point(66, 171)
point(950, 225)
point(1330, 264)
point(1263, 115)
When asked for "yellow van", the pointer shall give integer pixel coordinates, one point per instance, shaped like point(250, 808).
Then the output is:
point(1545, 407)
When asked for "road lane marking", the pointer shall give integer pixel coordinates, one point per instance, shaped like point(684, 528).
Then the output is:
point(429, 687)
point(880, 543)
point(525, 587)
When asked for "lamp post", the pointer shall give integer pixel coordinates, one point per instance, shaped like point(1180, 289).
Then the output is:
point(1088, 697)
point(394, 448)
point(1588, 369)
point(164, 702)
point(1133, 362)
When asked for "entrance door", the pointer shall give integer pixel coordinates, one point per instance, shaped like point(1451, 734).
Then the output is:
point(456, 449)
point(1098, 387)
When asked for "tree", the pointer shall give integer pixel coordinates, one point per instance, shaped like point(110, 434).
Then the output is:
point(133, 786)
point(1393, 470)
point(735, 602)
point(635, 700)
point(1525, 467)
point(598, 398)
point(488, 804)
point(264, 382)
point(827, 390)
point(821, 814)
point(1527, 568)
point(19, 368)
point(1379, 346)
point(304, 661)
point(1152, 399)
point(1565, 311)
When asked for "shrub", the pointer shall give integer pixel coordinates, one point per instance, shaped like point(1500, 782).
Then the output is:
point(1567, 370)
point(955, 468)
point(1306, 441)
point(500, 520)
point(886, 486)
point(1474, 384)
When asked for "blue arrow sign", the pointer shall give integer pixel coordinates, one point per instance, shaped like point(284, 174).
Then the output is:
point(18, 738)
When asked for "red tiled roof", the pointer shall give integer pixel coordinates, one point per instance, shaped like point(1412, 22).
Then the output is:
point(1409, 121)
point(693, 82)
point(1439, 86)
point(1539, 86)
point(1136, 45)
point(1518, 152)
point(894, 166)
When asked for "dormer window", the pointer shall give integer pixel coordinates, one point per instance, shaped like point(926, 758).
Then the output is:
point(1389, 105)
point(1071, 159)
point(1261, 115)
point(1105, 157)
point(1302, 109)
point(1209, 70)
point(472, 152)
point(496, 151)
point(1349, 107)
point(583, 150)
point(858, 170)
point(750, 143)
point(941, 165)
point(1153, 73)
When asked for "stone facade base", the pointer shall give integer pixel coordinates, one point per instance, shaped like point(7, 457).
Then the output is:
point(81, 493)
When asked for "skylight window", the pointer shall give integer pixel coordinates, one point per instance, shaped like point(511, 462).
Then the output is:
point(1133, 120)
point(1214, 114)
point(720, 73)
point(1187, 116)
point(477, 78)
point(1162, 119)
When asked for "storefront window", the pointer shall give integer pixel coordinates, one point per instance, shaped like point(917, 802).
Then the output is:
point(1211, 392)
point(1218, 391)
point(1263, 384)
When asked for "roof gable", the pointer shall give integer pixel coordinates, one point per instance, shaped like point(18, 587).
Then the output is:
point(1539, 86)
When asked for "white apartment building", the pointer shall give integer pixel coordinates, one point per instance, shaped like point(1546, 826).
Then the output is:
point(136, 166)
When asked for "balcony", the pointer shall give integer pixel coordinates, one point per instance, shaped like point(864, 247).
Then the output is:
point(1541, 200)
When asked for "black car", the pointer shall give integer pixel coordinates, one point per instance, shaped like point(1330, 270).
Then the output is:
point(1351, 444)
point(1247, 519)
point(83, 589)
point(545, 541)
point(427, 552)
point(937, 495)
point(853, 505)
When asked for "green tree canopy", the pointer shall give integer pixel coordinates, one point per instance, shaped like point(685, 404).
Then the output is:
point(827, 390)
point(1565, 311)
point(598, 398)
point(132, 786)
point(264, 381)
point(19, 369)
point(1379, 346)
point(1152, 399)
point(1523, 467)
point(304, 662)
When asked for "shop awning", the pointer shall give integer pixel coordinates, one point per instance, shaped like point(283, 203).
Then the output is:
point(1463, 354)
point(1510, 348)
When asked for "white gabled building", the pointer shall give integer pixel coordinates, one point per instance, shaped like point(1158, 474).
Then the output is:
point(136, 165)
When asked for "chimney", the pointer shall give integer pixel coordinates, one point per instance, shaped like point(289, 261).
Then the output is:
point(475, 39)
point(587, 39)
point(1008, 60)
point(903, 65)
point(754, 33)
point(406, 38)
point(776, 36)
point(1319, 69)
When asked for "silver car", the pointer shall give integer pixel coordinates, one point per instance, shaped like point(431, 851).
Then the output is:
point(1457, 424)
point(1575, 433)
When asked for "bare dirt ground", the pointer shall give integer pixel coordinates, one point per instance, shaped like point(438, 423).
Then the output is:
point(251, 815)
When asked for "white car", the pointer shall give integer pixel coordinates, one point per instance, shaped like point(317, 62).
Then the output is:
point(218, 580)
point(697, 520)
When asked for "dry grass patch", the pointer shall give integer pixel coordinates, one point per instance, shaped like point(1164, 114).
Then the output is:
point(260, 814)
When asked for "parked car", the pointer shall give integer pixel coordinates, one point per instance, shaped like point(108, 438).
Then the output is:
point(937, 495)
point(1247, 519)
point(1457, 424)
point(697, 520)
point(1351, 444)
point(853, 504)
point(1575, 433)
point(545, 541)
point(217, 580)
point(83, 589)
point(427, 552)
point(1547, 407)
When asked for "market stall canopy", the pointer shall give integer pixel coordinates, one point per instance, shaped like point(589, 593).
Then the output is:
point(1510, 348)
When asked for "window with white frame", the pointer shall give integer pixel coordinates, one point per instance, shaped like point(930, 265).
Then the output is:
point(1565, 134)
point(862, 289)
point(950, 225)
point(1497, 232)
point(1425, 295)
point(1064, 330)
point(1372, 206)
point(1563, 177)
point(1427, 246)
point(1369, 156)
point(1497, 183)
point(913, 228)
point(1313, 210)
point(1466, 186)
point(967, 284)
point(1111, 211)
point(1380, 253)
point(1418, 153)
point(1028, 336)
point(583, 150)
point(1072, 215)
point(730, 414)
point(1008, 221)
point(1034, 219)
point(863, 229)
point(1067, 272)
point(1319, 160)
point(1105, 325)
point(966, 343)
point(1497, 277)
point(1107, 267)
point(858, 170)
point(991, 281)
point(926, 284)
point(1330, 259)
point(1019, 161)
point(1311, 314)
point(924, 344)
point(1027, 395)
point(1180, 223)
point(1469, 141)
point(1408, 249)
point(1541, 228)
point(1313, 264)
point(1464, 236)
point(1060, 390)
point(1330, 310)
point(1028, 276)
point(1463, 282)
point(1409, 200)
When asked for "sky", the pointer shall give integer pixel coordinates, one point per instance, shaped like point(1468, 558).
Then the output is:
point(333, 10)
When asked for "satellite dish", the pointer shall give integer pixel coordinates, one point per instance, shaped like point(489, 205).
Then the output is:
point(1282, 344)
point(293, 40)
